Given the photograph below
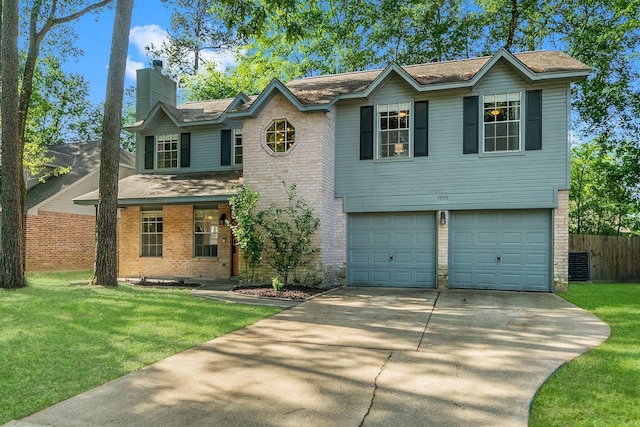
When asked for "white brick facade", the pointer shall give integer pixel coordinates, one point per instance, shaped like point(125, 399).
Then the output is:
point(561, 243)
point(310, 165)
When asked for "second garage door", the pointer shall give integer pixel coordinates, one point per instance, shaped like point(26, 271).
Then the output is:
point(392, 249)
point(504, 250)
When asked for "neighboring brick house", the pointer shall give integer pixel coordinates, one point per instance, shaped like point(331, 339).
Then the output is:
point(61, 234)
point(451, 174)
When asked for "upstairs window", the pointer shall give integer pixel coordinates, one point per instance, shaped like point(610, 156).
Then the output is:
point(167, 151)
point(501, 117)
point(237, 147)
point(281, 137)
point(394, 123)
point(151, 234)
point(205, 229)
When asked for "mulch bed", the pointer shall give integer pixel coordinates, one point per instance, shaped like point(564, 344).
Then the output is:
point(294, 292)
point(163, 283)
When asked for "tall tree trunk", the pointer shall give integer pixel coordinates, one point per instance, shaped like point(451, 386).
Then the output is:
point(106, 264)
point(11, 195)
point(513, 24)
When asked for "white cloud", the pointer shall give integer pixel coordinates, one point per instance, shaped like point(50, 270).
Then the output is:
point(223, 60)
point(145, 35)
point(132, 66)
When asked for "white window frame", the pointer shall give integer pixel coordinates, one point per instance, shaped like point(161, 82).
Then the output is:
point(237, 147)
point(493, 102)
point(398, 107)
point(167, 139)
point(286, 137)
point(206, 225)
point(151, 224)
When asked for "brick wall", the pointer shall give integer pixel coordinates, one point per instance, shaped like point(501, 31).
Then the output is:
point(561, 243)
point(443, 250)
point(310, 165)
point(177, 259)
point(60, 241)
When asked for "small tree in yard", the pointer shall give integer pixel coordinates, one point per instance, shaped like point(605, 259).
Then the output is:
point(243, 228)
point(289, 231)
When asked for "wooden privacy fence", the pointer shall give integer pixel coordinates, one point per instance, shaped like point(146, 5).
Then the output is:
point(611, 257)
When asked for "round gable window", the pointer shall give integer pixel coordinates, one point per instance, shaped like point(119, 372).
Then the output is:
point(281, 137)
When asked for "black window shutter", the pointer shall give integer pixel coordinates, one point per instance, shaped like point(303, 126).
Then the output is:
point(470, 115)
point(185, 150)
point(366, 132)
point(225, 147)
point(421, 131)
point(533, 126)
point(149, 142)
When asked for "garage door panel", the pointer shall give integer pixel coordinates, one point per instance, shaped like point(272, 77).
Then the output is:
point(400, 220)
point(424, 238)
point(537, 238)
point(511, 219)
point(399, 248)
point(402, 277)
point(462, 258)
point(379, 239)
point(512, 237)
point(360, 257)
point(402, 238)
point(486, 278)
point(358, 222)
point(380, 257)
point(462, 278)
point(403, 257)
point(359, 238)
point(461, 237)
point(513, 259)
point(381, 277)
point(381, 220)
point(359, 276)
point(424, 258)
point(512, 280)
point(484, 237)
point(521, 240)
point(484, 258)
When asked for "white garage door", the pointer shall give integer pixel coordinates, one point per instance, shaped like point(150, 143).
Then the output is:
point(504, 250)
point(391, 249)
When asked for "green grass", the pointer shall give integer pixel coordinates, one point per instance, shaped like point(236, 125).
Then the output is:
point(601, 387)
point(60, 337)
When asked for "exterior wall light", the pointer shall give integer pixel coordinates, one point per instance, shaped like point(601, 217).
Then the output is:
point(223, 219)
point(443, 218)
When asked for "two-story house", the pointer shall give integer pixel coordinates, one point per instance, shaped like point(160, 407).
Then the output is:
point(451, 174)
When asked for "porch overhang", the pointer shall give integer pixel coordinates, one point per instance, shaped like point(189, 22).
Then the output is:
point(181, 188)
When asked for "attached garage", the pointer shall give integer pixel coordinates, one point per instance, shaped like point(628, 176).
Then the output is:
point(503, 250)
point(392, 249)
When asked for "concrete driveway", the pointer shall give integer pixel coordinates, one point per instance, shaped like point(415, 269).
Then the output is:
point(356, 357)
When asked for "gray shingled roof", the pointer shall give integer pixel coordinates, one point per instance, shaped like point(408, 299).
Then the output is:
point(82, 157)
point(323, 89)
point(154, 188)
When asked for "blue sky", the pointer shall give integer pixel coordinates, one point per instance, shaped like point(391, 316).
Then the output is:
point(149, 24)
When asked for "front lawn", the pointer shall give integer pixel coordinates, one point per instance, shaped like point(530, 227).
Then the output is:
point(601, 387)
point(60, 337)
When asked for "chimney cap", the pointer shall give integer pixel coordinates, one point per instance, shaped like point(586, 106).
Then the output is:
point(157, 64)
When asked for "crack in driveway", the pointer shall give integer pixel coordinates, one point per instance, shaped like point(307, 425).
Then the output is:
point(375, 388)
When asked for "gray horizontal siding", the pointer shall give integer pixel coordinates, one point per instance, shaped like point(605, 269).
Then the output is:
point(448, 179)
point(205, 146)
